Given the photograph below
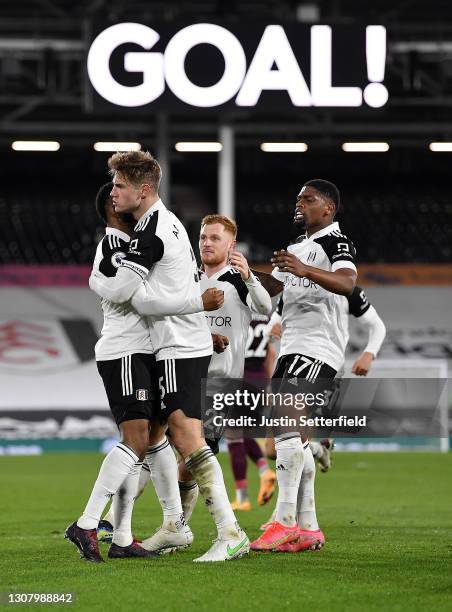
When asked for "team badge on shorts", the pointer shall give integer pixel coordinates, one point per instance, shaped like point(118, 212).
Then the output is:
point(142, 395)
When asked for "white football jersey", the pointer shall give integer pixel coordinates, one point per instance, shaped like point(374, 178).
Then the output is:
point(124, 331)
point(231, 320)
point(313, 323)
point(160, 251)
point(357, 305)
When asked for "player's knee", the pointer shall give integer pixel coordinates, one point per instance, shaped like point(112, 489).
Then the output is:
point(184, 474)
point(156, 436)
point(187, 443)
point(182, 443)
point(186, 433)
point(139, 446)
point(135, 435)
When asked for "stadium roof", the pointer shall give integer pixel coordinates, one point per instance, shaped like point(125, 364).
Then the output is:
point(43, 79)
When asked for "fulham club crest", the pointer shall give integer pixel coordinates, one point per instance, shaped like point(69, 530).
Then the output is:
point(37, 346)
point(141, 395)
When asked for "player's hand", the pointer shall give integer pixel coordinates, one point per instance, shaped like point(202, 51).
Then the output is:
point(220, 343)
point(287, 262)
point(362, 365)
point(275, 332)
point(239, 262)
point(212, 298)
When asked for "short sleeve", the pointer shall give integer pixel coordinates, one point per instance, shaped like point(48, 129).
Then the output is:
point(145, 247)
point(340, 251)
point(358, 304)
point(113, 252)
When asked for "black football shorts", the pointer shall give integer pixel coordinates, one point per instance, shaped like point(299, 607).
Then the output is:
point(308, 381)
point(180, 383)
point(131, 383)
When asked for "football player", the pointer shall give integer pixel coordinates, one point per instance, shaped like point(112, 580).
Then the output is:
point(160, 253)
point(126, 362)
point(225, 269)
point(313, 274)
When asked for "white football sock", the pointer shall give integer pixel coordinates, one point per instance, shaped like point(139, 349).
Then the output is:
point(110, 516)
point(189, 491)
point(241, 495)
point(207, 472)
point(115, 468)
point(144, 478)
point(289, 466)
point(316, 448)
point(306, 516)
point(262, 466)
point(123, 502)
point(165, 477)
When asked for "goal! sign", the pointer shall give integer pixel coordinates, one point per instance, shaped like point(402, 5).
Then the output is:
point(206, 65)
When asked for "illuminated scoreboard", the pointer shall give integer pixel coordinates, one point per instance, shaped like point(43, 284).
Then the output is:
point(260, 67)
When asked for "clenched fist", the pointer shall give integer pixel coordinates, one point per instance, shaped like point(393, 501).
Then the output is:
point(220, 343)
point(212, 299)
point(362, 365)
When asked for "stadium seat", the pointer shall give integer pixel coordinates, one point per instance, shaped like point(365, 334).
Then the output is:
point(392, 225)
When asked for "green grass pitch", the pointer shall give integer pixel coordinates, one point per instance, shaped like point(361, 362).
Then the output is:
point(387, 520)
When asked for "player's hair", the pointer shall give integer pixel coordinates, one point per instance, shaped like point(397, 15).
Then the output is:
point(327, 189)
point(226, 222)
point(101, 200)
point(137, 167)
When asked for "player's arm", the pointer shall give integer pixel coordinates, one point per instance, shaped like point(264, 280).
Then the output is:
point(340, 280)
point(258, 298)
point(273, 331)
point(376, 335)
point(360, 307)
point(147, 303)
point(145, 249)
point(107, 262)
point(119, 288)
point(270, 360)
point(275, 321)
point(376, 330)
point(273, 285)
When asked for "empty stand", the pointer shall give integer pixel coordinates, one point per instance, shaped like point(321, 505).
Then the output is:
point(389, 225)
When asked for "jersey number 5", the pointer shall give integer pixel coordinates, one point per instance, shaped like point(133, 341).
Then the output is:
point(162, 392)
